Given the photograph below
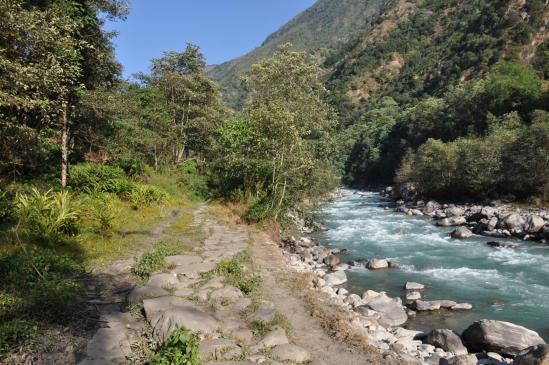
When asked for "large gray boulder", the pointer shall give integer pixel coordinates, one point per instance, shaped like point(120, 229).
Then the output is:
point(431, 207)
point(513, 221)
point(488, 212)
point(336, 278)
point(168, 313)
point(391, 312)
point(534, 224)
point(501, 337)
point(447, 340)
point(462, 233)
point(454, 212)
point(422, 305)
point(331, 260)
point(377, 264)
point(452, 222)
point(536, 355)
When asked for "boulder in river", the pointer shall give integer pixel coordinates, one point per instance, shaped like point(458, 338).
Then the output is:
point(502, 244)
point(462, 306)
point(462, 233)
point(534, 224)
point(336, 278)
point(431, 207)
point(377, 264)
point(422, 305)
point(331, 260)
point(535, 355)
point(513, 221)
point(454, 212)
point(488, 212)
point(451, 222)
point(498, 336)
point(391, 311)
point(446, 340)
point(410, 285)
point(413, 295)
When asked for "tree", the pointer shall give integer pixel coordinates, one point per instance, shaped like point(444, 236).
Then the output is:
point(192, 98)
point(49, 55)
point(274, 150)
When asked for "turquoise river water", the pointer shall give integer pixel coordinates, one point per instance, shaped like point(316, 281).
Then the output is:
point(503, 284)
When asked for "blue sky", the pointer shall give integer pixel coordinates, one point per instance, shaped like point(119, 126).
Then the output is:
point(224, 29)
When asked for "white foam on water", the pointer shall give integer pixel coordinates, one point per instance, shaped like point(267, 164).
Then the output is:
point(458, 274)
point(515, 257)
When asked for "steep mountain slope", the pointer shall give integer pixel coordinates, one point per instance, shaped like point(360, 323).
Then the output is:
point(420, 48)
point(319, 29)
point(450, 94)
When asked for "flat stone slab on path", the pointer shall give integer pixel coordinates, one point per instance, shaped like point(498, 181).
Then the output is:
point(145, 292)
point(183, 260)
point(193, 271)
point(289, 352)
point(167, 313)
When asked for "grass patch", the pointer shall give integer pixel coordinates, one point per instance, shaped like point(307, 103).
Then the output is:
point(261, 328)
point(236, 274)
point(152, 261)
point(37, 290)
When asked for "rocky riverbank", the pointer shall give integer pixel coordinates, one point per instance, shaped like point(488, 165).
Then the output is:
point(496, 220)
point(382, 318)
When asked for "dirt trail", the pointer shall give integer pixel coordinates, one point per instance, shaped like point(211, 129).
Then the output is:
point(111, 344)
point(307, 331)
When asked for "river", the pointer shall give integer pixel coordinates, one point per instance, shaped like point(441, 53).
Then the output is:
point(503, 284)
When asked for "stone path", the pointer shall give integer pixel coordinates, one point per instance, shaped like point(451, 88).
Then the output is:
point(224, 317)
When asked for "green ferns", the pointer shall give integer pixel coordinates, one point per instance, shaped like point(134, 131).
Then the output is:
point(47, 216)
point(98, 178)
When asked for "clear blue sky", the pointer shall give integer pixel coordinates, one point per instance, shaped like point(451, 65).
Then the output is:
point(224, 29)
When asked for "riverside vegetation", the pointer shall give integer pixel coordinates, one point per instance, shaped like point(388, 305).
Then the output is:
point(448, 97)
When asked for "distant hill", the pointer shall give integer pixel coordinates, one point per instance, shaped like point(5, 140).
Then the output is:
point(321, 29)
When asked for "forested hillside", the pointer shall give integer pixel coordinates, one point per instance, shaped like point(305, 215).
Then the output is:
point(320, 30)
point(449, 94)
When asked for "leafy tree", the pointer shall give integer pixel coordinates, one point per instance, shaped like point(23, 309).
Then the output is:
point(273, 151)
point(49, 54)
point(192, 98)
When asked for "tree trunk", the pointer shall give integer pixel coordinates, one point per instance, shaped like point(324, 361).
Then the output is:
point(64, 146)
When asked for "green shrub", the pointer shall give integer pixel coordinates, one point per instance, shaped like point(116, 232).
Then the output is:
point(181, 348)
point(104, 212)
point(259, 210)
point(195, 182)
point(151, 261)
point(6, 206)
point(90, 177)
point(143, 195)
point(47, 216)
